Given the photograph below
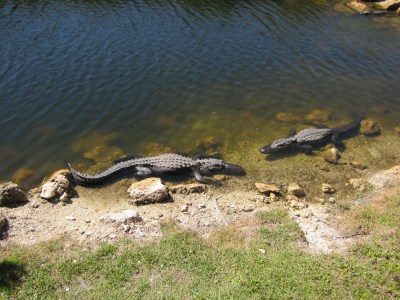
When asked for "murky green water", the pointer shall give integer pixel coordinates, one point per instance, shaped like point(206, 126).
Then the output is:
point(191, 75)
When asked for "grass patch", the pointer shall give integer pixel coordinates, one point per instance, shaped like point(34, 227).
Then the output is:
point(184, 266)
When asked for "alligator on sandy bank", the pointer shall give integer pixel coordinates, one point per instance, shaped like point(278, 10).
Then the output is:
point(161, 164)
point(308, 137)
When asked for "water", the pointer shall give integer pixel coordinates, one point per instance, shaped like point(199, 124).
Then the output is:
point(172, 72)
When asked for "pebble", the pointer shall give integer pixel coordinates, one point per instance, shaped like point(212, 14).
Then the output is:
point(112, 236)
point(87, 221)
point(248, 208)
point(331, 155)
point(332, 200)
point(184, 208)
point(295, 189)
point(262, 251)
point(327, 188)
point(35, 204)
point(202, 205)
point(70, 218)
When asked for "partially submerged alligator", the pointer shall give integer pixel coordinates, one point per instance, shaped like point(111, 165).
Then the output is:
point(307, 137)
point(164, 163)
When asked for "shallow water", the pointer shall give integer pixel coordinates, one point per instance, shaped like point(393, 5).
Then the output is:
point(174, 72)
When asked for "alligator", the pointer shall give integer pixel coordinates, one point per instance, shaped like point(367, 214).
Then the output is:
point(165, 163)
point(308, 137)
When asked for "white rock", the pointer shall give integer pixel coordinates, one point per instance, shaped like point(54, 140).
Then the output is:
point(123, 217)
point(150, 190)
point(332, 200)
point(71, 218)
point(49, 190)
point(327, 188)
point(184, 208)
point(64, 197)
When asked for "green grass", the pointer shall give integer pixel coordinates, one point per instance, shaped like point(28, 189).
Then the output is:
point(184, 266)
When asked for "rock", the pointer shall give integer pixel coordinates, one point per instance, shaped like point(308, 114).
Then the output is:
point(3, 222)
point(11, 194)
point(358, 6)
point(295, 189)
point(358, 165)
point(389, 5)
point(288, 117)
point(262, 251)
point(149, 190)
point(267, 189)
point(327, 188)
point(70, 218)
point(318, 116)
point(369, 126)
point(35, 204)
point(359, 184)
point(320, 200)
point(397, 129)
point(49, 190)
point(94, 139)
point(123, 217)
point(248, 208)
point(332, 200)
point(331, 155)
point(64, 197)
point(62, 182)
point(220, 177)
point(188, 188)
point(184, 208)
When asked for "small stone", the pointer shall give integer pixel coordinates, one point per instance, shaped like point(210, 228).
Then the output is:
point(318, 116)
point(369, 126)
point(64, 197)
point(126, 216)
point(49, 190)
point(149, 190)
point(35, 204)
point(11, 194)
point(262, 251)
point(295, 189)
point(202, 205)
point(327, 188)
point(358, 165)
point(184, 208)
point(88, 221)
point(112, 236)
point(70, 218)
point(125, 228)
point(160, 215)
point(220, 177)
point(332, 200)
point(331, 155)
point(188, 188)
point(62, 182)
point(267, 188)
point(248, 208)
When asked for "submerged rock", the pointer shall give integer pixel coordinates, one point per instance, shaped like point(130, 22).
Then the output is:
point(358, 165)
point(359, 184)
point(11, 194)
point(208, 145)
point(94, 139)
point(318, 116)
point(296, 190)
point(104, 153)
point(188, 188)
point(331, 155)
point(149, 190)
point(288, 117)
point(25, 177)
point(369, 126)
point(267, 189)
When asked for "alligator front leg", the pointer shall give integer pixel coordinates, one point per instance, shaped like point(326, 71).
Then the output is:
point(200, 178)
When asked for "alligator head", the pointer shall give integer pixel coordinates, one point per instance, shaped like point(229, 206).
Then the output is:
point(215, 165)
point(278, 145)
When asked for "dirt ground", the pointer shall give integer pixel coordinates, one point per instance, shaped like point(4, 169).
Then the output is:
point(86, 218)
